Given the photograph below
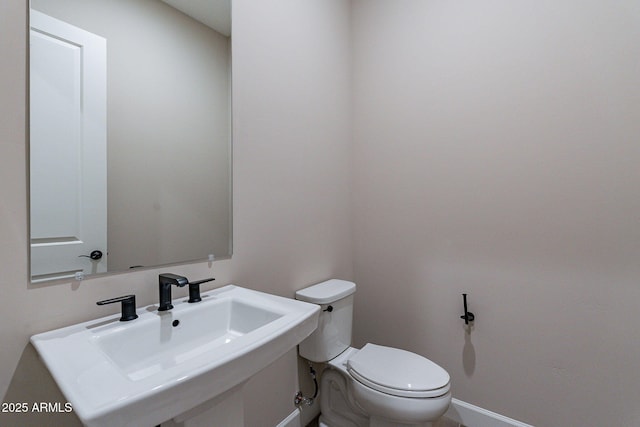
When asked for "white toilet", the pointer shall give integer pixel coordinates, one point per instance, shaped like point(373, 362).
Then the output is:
point(374, 386)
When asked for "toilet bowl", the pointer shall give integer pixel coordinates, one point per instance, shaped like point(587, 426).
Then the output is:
point(373, 386)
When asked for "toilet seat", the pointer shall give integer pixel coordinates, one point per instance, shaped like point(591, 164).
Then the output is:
point(398, 372)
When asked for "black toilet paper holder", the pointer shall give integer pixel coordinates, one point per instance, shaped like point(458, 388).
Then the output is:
point(467, 316)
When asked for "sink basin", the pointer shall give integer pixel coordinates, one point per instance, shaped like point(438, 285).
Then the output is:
point(163, 364)
point(142, 349)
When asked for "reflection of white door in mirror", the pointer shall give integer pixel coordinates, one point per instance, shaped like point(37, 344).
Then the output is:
point(67, 149)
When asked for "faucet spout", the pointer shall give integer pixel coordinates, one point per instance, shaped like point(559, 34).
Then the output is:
point(164, 287)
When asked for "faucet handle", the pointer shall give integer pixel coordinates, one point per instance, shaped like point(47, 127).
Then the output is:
point(194, 289)
point(128, 306)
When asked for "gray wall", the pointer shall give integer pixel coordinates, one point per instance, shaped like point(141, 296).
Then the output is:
point(496, 152)
point(291, 193)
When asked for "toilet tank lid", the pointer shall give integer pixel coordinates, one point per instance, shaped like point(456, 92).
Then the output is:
point(326, 292)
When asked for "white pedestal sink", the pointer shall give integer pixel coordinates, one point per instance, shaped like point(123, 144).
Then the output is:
point(186, 364)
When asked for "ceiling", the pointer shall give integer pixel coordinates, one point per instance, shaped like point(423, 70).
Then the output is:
point(213, 13)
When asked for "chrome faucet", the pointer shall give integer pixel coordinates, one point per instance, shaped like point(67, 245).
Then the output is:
point(164, 287)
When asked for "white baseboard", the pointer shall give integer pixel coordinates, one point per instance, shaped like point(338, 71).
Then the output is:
point(474, 416)
point(293, 420)
point(459, 411)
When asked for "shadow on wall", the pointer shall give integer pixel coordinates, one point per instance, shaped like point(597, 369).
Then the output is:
point(33, 399)
point(468, 352)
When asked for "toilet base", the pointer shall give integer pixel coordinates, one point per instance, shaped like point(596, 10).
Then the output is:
point(336, 405)
point(382, 423)
point(375, 423)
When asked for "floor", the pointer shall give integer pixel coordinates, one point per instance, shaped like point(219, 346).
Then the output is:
point(442, 422)
point(447, 422)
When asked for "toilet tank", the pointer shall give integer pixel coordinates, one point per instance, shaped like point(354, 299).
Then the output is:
point(333, 335)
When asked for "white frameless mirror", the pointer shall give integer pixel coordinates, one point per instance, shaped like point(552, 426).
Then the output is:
point(130, 134)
